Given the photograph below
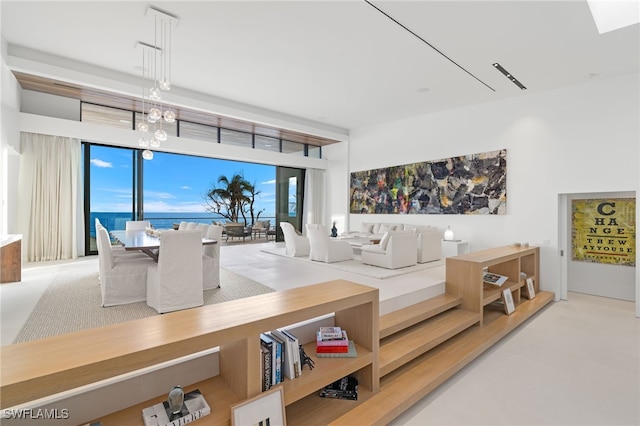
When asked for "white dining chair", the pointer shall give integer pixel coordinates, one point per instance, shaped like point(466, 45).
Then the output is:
point(182, 226)
point(203, 227)
point(137, 225)
point(122, 279)
point(192, 225)
point(211, 258)
point(175, 282)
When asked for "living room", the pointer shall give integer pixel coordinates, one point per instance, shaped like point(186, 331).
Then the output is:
point(564, 142)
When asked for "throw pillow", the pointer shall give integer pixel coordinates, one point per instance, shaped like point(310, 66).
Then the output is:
point(383, 228)
point(366, 228)
point(385, 240)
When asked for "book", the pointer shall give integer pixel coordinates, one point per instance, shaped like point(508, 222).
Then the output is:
point(273, 348)
point(287, 359)
point(333, 349)
point(351, 353)
point(281, 352)
point(328, 333)
point(296, 352)
point(265, 367)
point(495, 279)
point(345, 388)
point(194, 407)
point(344, 341)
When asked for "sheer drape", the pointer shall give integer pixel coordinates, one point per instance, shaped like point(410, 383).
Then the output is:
point(314, 197)
point(50, 207)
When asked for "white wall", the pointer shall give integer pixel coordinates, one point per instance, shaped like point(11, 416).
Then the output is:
point(578, 139)
point(9, 147)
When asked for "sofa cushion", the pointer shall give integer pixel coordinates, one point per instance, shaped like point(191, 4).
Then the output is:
point(365, 228)
point(385, 240)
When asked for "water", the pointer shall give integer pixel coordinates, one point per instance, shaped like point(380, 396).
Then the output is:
point(117, 221)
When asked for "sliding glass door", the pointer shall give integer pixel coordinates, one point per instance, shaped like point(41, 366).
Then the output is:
point(110, 189)
point(289, 198)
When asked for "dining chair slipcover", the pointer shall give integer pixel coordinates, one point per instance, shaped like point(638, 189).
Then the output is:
point(203, 227)
point(175, 282)
point(182, 226)
point(396, 249)
point(137, 224)
point(324, 248)
point(211, 259)
point(123, 279)
point(295, 245)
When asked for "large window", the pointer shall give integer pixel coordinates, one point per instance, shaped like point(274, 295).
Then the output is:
point(120, 186)
point(124, 119)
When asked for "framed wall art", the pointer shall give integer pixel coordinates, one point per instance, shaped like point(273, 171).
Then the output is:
point(266, 409)
point(468, 184)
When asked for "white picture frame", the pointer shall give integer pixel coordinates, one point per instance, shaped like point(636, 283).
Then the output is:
point(530, 288)
point(264, 409)
point(507, 300)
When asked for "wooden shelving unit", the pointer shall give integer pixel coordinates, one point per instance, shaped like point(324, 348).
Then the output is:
point(464, 276)
point(32, 370)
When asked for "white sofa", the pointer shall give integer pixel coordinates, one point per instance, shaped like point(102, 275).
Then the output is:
point(397, 249)
point(429, 238)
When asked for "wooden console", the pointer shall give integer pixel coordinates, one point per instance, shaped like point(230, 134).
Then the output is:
point(40, 368)
point(464, 276)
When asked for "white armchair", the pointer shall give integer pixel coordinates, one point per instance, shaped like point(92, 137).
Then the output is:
point(395, 250)
point(296, 245)
point(175, 282)
point(429, 246)
point(211, 259)
point(325, 249)
point(123, 279)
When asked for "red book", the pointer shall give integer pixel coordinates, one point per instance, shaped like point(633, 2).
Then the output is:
point(332, 349)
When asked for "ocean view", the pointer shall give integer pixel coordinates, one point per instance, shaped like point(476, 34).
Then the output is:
point(114, 221)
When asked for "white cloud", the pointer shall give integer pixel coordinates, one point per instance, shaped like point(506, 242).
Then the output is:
point(185, 187)
point(99, 163)
point(269, 182)
point(162, 195)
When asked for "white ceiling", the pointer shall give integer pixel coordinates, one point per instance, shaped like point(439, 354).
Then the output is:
point(340, 63)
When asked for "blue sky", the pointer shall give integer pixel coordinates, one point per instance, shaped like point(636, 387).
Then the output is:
point(172, 182)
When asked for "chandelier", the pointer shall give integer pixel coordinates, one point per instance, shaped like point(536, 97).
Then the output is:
point(156, 76)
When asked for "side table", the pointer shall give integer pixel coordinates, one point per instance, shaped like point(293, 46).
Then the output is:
point(454, 248)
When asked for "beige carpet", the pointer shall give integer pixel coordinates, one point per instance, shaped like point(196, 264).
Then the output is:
point(72, 303)
point(357, 267)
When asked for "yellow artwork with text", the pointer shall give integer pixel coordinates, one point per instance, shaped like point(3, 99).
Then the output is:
point(604, 230)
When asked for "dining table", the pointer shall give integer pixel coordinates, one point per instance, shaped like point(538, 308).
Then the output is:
point(147, 242)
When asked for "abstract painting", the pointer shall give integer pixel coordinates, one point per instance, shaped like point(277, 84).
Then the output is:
point(469, 184)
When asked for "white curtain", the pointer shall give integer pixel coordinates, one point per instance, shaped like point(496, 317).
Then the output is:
point(314, 197)
point(49, 199)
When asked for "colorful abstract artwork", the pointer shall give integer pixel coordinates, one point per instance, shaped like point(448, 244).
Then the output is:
point(470, 184)
point(604, 230)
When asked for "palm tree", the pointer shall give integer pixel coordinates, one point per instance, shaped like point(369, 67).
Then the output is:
point(233, 198)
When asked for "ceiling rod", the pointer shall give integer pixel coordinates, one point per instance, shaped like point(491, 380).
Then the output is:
point(427, 43)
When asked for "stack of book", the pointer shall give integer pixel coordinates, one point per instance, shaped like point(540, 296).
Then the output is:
point(332, 340)
point(345, 388)
point(280, 357)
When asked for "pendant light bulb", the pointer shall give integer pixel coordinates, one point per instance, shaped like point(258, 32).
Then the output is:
point(147, 155)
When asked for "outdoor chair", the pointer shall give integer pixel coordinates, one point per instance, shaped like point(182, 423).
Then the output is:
point(260, 228)
point(236, 230)
point(324, 248)
point(175, 282)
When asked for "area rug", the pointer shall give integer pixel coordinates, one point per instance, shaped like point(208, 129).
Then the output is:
point(357, 267)
point(72, 303)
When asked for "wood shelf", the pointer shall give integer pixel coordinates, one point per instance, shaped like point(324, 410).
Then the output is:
point(464, 275)
point(36, 369)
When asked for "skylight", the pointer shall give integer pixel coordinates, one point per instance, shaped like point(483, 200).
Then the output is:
point(611, 15)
